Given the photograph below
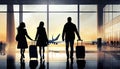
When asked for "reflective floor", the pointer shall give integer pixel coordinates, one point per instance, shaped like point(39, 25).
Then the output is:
point(107, 58)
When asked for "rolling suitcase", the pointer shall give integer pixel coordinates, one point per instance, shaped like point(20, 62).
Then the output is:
point(80, 51)
point(33, 51)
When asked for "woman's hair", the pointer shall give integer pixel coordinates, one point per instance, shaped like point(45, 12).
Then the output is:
point(22, 25)
point(41, 24)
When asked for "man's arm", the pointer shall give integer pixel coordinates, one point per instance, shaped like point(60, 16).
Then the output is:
point(76, 31)
point(63, 33)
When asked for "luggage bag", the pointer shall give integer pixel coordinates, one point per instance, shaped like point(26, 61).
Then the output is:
point(33, 51)
point(80, 50)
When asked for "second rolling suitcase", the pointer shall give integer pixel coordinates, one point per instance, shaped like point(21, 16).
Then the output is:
point(33, 51)
point(80, 51)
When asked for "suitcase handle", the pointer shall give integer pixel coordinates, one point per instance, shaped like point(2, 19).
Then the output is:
point(33, 42)
point(81, 42)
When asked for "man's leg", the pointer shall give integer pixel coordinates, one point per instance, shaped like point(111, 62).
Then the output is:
point(72, 48)
point(67, 49)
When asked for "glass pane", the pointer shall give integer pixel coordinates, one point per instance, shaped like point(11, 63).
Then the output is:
point(16, 7)
point(3, 27)
point(16, 16)
point(63, 7)
point(88, 26)
point(108, 8)
point(57, 21)
point(88, 7)
point(34, 8)
point(116, 7)
point(3, 7)
point(116, 15)
point(32, 21)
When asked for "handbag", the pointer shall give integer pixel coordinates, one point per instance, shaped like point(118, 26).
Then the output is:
point(17, 37)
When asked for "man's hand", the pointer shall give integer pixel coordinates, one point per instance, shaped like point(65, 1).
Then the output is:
point(62, 39)
point(79, 39)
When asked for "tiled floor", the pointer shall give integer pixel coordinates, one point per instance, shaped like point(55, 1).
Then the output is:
point(107, 58)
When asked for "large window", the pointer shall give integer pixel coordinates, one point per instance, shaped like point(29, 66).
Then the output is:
point(32, 21)
point(112, 22)
point(3, 27)
point(54, 19)
point(88, 26)
point(58, 18)
point(3, 21)
point(88, 22)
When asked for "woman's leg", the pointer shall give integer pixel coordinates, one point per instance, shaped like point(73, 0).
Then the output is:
point(43, 51)
point(23, 53)
point(40, 51)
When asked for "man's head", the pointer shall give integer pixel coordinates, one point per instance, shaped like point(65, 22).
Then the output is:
point(69, 19)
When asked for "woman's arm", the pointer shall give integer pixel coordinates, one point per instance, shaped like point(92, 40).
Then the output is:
point(28, 35)
point(37, 34)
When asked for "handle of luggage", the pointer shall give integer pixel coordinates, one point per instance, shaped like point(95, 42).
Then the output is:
point(33, 42)
point(78, 42)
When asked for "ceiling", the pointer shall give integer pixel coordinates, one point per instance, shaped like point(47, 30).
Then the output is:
point(60, 1)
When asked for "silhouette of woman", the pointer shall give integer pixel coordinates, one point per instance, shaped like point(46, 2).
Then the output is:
point(21, 38)
point(41, 38)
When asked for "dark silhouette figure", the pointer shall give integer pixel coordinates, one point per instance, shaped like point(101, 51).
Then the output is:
point(22, 62)
point(81, 64)
point(69, 31)
point(21, 38)
point(41, 38)
point(112, 43)
point(33, 64)
point(117, 43)
point(99, 44)
point(1, 44)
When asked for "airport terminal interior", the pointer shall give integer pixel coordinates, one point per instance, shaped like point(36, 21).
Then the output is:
point(97, 21)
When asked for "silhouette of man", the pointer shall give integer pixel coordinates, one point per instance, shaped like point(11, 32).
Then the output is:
point(69, 31)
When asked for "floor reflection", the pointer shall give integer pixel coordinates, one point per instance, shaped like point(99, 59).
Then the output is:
point(81, 64)
point(100, 60)
point(69, 64)
point(22, 63)
point(96, 60)
point(42, 64)
point(10, 62)
point(33, 64)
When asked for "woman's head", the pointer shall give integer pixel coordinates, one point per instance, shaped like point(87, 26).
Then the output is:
point(22, 25)
point(41, 24)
